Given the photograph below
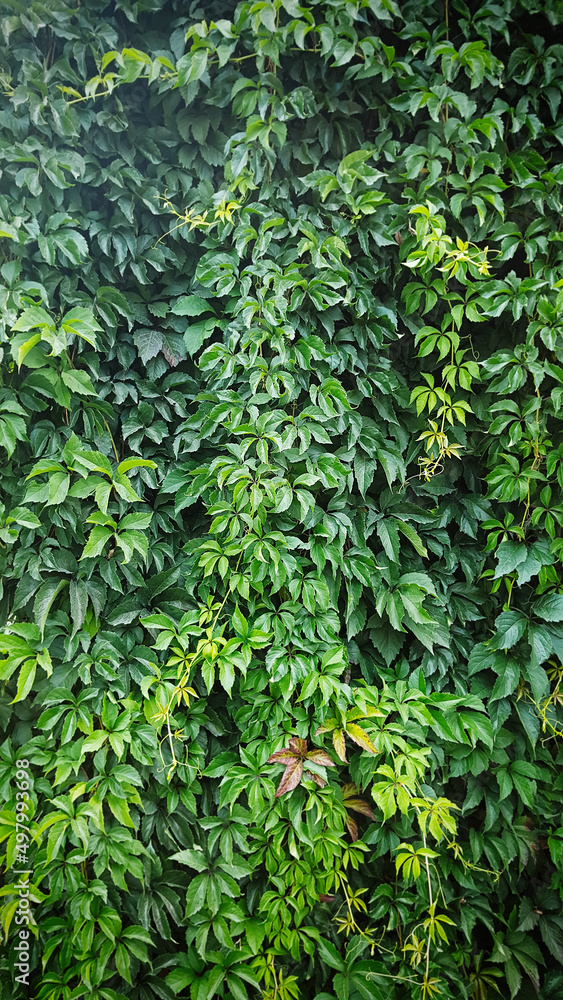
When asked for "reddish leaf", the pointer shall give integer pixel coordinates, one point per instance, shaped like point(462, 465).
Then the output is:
point(316, 778)
point(283, 757)
point(171, 359)
point(359, 806)
point(352, 827)
point(298, 746)
point(352, 801)
point(349, 791)
point(293, 757)
point(291, 777)
point(321, 757)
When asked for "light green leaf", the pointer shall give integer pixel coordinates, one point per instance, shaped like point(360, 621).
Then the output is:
point(25, 680)
point(135, 463)
point(97, 540)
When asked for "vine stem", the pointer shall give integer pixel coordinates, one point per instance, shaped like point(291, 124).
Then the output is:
point(174, 762)
point(112, 441)
point(430, 899)
point(536, 462)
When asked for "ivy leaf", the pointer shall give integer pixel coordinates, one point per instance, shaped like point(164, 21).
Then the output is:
point(81, 322)
point(510, 627)
point(78, 381)
point(97, 540)
point(26, 678)
point(148, 342)
point(549, 607)
point(196, 335)
point(44, 601)
point(191, 305)
point(357, 734)
point(292, 775)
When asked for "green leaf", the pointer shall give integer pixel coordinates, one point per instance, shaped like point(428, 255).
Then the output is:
point(135, 463)
point(78, 603)
point(139, 521)
point(226, 674)
point(194, 859)
point(149, 343)
point(329, 955)
point(478, 727)
point(25, 680)
point(82, 323)
point(120, 809)
point(191, 305)
point(94, 741)
point(78, 381)
point(196, 335)
point(510, 627)
point(58, 488)
point(20, 515)
point(34, 317)
point(26, 347)
point(510, 555)
point(97, 540)
point(44, 601)
point(408, 531)
point(549, 607)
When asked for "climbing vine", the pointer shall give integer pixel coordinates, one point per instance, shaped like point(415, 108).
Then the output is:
point(281, 602)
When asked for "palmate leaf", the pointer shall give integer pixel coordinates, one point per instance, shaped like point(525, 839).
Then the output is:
point(294, 758)
point(350, 729)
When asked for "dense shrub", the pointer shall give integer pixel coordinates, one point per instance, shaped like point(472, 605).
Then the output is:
point(281, 513)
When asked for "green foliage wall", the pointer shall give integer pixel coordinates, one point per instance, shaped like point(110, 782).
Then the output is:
point(281, 513)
